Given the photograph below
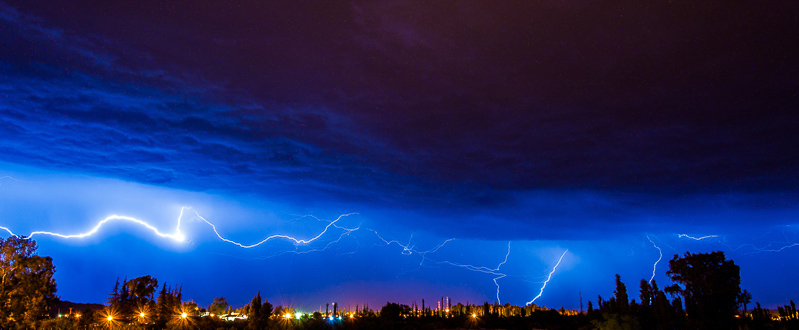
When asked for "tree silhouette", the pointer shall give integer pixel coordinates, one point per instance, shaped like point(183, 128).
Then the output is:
point(391, 312)
point(258, 313)
point(709, 285)
point(744, 298)
point(622, 300)
point(27, 288)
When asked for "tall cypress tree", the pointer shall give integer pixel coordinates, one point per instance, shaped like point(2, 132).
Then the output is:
point(622, 300)
point(114, 298)
point(162, 306)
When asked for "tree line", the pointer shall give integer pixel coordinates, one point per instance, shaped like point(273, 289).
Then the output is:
point(704, 294)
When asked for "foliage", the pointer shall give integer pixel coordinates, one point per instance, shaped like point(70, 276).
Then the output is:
point(613, 321)
point(219, 306)
point(710, 287)
point(27, 288)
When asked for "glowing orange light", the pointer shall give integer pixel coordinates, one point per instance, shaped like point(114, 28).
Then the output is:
point(141, 314)
point(184, 315)
point(109, 318)
point(474, 316)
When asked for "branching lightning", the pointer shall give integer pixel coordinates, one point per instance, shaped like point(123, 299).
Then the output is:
point(549, 277)
point(296, 241)
point(492, 271)
point(774, 246)
point(408, 249)
point(178, 236)
point(655, 266)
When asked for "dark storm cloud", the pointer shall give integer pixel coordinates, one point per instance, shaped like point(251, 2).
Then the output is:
point(446, 105)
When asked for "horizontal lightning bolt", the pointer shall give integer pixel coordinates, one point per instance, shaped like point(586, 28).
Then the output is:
point(696, 238)
point(178, 236)
point(296, 241)
point(6, 177)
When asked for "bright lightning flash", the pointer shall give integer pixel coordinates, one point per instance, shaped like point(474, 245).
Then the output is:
point(549, 277)
point(178, 236)
point(407, 249)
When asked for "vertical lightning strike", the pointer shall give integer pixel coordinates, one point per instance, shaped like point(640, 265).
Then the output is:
point(503, 275)
point(549, 277)
point(655, 267)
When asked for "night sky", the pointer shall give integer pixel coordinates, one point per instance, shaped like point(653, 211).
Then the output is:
point(463, 135)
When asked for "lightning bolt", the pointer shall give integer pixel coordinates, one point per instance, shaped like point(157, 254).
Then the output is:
point(655, 266)
point(269, 238)
point(770, 247)
point(178, 236)
point(549, 277)
point(696, 238)
point(12, 178)
point(8, 230)
point(486, 270)
point(408, 249)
